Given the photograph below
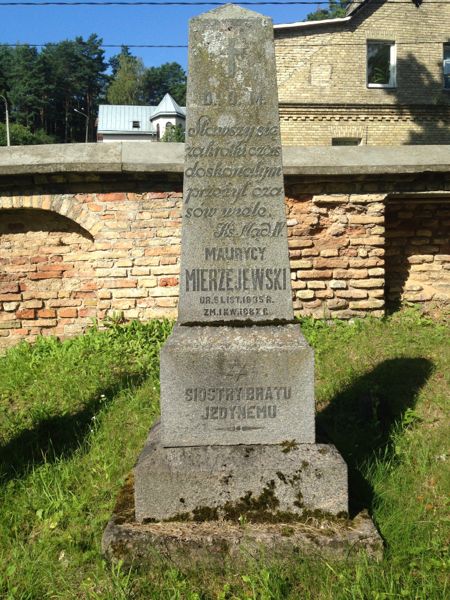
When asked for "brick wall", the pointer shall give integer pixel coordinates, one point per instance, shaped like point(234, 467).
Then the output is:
point(308, 125)
point(417, 251)
point(71, 252)
point(322, 85)
point(336, 245)
point(57, 274)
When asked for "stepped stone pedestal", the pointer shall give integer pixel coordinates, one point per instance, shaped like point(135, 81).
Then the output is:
point(236, 441)
point(257, 482)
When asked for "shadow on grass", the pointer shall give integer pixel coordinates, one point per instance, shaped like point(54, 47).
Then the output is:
point(360, 420)
point(56, 436)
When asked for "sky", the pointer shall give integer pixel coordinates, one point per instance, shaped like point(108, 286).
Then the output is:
point(125, 25)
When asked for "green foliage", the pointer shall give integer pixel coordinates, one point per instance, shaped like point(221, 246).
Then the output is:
point(336, 8)
point(132, 83)
point(114, 61)
point(167, 78)
point(173, 134)
point(75, 78)
point(126, 87)
point(21, 136)
point(44, 88)
point(74, 416)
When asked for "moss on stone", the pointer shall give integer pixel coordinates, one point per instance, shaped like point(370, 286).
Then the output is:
point(282, 477)
point(299, 501)
point(288, 446)
point(205, 513)
point(124, 507)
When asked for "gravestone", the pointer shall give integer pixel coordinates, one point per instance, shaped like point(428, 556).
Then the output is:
point(234, 260)
point(236, 437)
point(237, 376)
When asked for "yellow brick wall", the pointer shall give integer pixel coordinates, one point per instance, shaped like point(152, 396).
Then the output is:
point(417, 249)
point(322, 78)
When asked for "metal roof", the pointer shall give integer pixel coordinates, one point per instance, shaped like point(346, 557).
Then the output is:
point(168, 106)
point(304, 24)
point(119, 118)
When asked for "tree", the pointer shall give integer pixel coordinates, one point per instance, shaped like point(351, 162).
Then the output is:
point(46, 88)
point(173, 134)
point(168, 78)
point(336, 8)
point(21, 136)
point(26, 82)
point(5, 68)
point(126, 87)
point(114, 61)
point(75, 78)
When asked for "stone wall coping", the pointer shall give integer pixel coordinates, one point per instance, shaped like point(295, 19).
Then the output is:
point(165, 158)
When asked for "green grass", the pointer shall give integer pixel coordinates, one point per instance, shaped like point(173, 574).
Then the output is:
point(74, 416)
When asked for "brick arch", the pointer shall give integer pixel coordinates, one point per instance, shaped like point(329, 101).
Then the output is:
point(68, 207)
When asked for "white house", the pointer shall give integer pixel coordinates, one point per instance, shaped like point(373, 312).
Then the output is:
point(121, 123)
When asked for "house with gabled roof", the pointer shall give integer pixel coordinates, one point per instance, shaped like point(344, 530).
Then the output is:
point(120, 123)
point(378, 76)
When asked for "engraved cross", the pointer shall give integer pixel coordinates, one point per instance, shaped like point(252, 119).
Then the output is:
point(234, 52)
point(236, 369)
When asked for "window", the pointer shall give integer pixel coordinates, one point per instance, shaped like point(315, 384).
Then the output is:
point(381, 64)
point(136, 124)
point(346, 141)
point(446, 66)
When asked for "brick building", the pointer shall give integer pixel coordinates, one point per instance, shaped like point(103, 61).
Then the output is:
point(379, 76)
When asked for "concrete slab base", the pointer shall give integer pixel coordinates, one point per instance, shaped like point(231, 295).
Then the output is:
point(216, 543)
point(255, 482)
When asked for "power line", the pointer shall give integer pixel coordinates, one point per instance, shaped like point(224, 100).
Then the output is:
point(196, 3)
point(22, 44)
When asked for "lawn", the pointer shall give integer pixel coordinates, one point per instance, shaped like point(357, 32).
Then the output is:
point(74, 416)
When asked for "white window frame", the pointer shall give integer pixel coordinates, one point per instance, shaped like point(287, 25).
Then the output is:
point(392, 65)
point(445, 64)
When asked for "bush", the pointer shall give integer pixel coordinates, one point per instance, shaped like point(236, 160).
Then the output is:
point(173, 134)
point(22, 136)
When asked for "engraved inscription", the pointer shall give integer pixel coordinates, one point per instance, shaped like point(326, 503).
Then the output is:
point(233, 280)
point(231, 253)
point(233, 200)
point(238, 394)
point(205, 127)
point(239, 412)
point(239, 403)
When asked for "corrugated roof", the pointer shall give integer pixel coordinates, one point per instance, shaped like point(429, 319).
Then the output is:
point(118, 117)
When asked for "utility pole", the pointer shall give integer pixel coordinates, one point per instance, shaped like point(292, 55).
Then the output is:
point(8, 139)
point(87, 123)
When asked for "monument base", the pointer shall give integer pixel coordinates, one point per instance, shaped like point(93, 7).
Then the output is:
point(187, 544)
point(255, 483)
point(227, 385)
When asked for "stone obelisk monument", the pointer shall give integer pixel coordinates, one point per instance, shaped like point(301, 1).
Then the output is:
point(236, 438)
point(237, 377)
